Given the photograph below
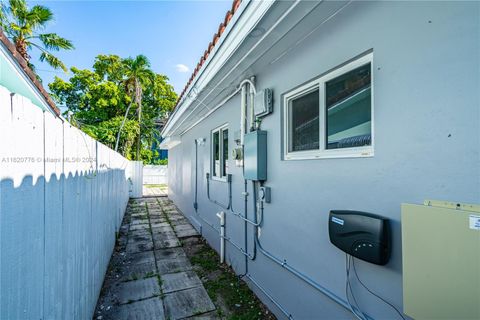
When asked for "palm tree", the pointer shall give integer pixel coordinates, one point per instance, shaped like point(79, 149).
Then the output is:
point(22, 26)
point(138, 76)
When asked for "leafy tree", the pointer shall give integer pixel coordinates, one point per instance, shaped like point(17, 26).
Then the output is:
point(105, 102)
point(22, 26)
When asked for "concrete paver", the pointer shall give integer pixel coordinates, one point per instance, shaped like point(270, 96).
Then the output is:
point(187, 303)
point(180, 281)
point(141, 257)
point(173, 265)
point(149, 309)
point(148, 250)
point(130, 291)
point(170, 253)
point(139, 246)
point(139, 270)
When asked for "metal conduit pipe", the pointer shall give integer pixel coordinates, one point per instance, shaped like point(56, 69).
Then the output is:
point(296, 272)
point(195, 205)
point(279, 306)
point(239, 215)
point(228, 239)
point(228, 207)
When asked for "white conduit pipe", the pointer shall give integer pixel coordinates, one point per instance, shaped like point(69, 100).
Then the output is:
point(252, 104)
point(243, 113)
point(221, 216)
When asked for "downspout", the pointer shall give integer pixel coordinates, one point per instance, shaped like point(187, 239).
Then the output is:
point(221, 216)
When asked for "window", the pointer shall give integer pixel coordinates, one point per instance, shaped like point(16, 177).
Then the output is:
point(304, 115)
point(220, 152)
point(332, 115)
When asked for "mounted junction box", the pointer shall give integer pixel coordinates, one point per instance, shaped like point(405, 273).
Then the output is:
point(264, 194)
point(255, 155)
point(263, 103)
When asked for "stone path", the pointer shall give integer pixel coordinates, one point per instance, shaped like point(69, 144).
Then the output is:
point(150, 276)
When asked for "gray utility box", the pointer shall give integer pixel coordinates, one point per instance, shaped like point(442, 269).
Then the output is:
point(255, 155)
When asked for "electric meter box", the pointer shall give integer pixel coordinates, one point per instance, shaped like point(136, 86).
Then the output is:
point(255, 155)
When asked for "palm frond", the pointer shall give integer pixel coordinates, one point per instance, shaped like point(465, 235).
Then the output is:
point(53, 61)
point(53, 41)
point(19, 9)
point(3, 15)
point(39, 15)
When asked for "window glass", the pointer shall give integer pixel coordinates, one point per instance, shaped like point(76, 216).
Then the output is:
point(348, 109)
point(304, 122)
point(225, 152)
point(216, 154)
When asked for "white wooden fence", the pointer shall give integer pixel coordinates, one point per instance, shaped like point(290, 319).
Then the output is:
point(155, 174)
point(62, 199)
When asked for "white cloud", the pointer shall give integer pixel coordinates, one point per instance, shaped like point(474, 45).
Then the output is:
point(182, 68)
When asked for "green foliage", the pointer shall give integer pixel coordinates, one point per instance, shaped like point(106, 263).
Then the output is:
point(22, 25)
point(222, 284)
point(162, 162)
point(97, 101)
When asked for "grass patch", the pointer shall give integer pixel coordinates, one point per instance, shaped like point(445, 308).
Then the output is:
point(207, 259)
point(222, 284)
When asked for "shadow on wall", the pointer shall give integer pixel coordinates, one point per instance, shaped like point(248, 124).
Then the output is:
point(56, 239)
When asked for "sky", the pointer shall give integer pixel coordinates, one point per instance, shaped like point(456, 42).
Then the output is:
point(172, 34)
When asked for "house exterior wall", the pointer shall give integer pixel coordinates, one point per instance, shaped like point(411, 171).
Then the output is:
point(12, 78)
point(62, 200)
point(427, 146)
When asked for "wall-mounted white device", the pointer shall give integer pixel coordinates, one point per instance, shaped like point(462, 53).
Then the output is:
point(263, 103)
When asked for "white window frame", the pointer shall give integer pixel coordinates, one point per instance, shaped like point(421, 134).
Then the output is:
point(319, 83)
point(220, 130)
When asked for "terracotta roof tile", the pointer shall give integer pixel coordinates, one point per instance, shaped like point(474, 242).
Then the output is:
point(24, 66)
point(211, 45)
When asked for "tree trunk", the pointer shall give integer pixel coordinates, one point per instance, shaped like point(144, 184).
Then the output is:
point(121, 127)
point(138, 100)
point(21, 47)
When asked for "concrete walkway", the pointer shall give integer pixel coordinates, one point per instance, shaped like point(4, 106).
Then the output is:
point(149, 275)
point(155, 191)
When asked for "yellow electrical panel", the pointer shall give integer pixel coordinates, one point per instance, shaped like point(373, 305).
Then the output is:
point(441, 260)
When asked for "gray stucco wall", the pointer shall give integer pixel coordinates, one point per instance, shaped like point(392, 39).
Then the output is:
point(427, 143)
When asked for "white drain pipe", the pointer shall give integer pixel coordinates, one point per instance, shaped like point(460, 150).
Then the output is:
point(221, 216)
